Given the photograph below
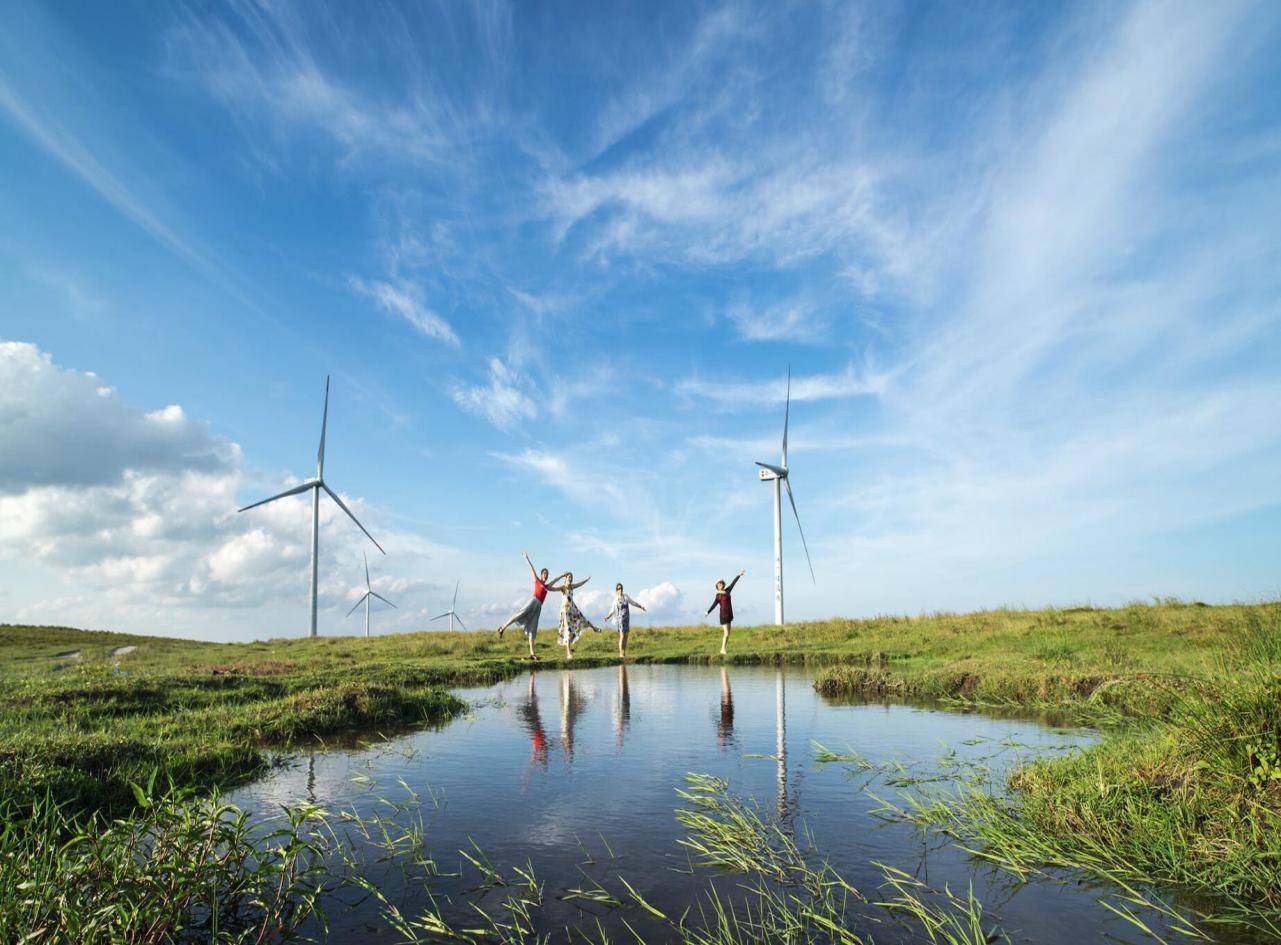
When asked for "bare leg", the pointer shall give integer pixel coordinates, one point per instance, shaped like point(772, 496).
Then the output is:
point(724, 638)
point(622, 645)
point(569, 654)
point(530, 638)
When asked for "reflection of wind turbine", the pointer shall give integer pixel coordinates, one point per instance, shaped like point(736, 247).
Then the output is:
point(452, 612)
point(780, 736)
point(315, 486)
point(779, 475)
point(367, 597)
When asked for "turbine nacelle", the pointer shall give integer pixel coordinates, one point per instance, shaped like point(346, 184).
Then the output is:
point(769, 472)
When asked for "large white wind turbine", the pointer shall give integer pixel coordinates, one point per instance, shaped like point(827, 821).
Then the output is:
point(779, 475)
point(368, 596)
point(315, 486)
point(452, 612)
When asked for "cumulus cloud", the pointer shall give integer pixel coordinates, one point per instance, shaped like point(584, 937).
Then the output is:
point(136, 509)
point(65, 428)
point(404, 300)
point(662, 601)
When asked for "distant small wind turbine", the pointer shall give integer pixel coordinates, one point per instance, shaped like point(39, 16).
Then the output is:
point(452, 612)
point(368, 596)
point(315, 486)
point(779, 475)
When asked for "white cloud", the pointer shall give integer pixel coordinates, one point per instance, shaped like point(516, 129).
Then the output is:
point(66, 428)
point(662, 600)
point(504, 401)
point(788, 321)
point(731, 395)
point(404, 299)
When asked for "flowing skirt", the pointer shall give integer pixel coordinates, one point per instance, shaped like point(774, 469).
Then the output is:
point(527, 617)
point(572, 623)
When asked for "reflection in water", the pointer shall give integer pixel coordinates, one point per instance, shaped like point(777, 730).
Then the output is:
point(533, 721)
point(780, 740)
point(572, 704)
point(622, 705)
point(725, 724)
point(311, 777)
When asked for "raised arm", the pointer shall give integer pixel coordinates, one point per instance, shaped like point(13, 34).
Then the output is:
point(553, 586)
point(532, 569)
point(730, 586)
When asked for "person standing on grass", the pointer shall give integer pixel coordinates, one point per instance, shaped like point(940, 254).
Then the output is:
point(722, 600)
point(527, 616)
point(621, 614)
point(572, 621)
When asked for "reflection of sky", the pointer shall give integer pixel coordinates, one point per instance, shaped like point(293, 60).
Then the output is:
point(547, 767)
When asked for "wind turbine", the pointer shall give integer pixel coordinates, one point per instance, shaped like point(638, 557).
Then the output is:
point(451, 613)
point(368, 596)
point(780, 478)
point(315, 486)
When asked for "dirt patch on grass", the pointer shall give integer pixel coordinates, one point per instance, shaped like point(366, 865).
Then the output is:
point(261, 668)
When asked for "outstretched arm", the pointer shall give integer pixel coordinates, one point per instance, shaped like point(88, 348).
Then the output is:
point(715, 600)
point(532, 570)
point(635, 603)
point(612, 611)
point(729, 587)
point(581, 583)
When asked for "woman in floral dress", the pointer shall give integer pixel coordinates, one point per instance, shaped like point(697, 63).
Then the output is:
point(572, 621)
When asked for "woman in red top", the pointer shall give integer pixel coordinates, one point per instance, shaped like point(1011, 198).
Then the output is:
point(722, 600)
point(528, 615)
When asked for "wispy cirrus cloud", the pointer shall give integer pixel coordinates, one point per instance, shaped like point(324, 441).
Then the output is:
point(505, 400)
point(404, 299)
point(742, 395)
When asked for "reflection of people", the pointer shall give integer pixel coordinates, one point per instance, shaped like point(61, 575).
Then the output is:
point(722, 600)
point(528, 711)
point(572, 704)
point(527, 616)
point(623, 707)
point(572, 622)
point(725, 724)
point(621, 614)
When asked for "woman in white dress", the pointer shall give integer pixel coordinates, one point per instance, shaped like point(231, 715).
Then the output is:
point(572, 621)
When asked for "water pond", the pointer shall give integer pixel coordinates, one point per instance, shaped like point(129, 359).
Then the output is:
point(573, 776)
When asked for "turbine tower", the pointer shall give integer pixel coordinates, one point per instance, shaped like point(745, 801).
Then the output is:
point(368, 597)
point(778, 474)
point(452, 612)
point(315, 486)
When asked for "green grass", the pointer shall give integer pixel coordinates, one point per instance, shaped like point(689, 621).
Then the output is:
point(1185, 790)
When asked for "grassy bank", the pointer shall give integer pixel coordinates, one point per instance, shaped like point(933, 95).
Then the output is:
point(1187, 791)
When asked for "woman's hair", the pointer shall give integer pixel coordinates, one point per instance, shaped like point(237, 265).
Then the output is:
point(569, 577)
point(543, 573)
point(720, 585)
point(618, 587)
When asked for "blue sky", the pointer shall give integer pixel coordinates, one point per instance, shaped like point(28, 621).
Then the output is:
point(1021, 258)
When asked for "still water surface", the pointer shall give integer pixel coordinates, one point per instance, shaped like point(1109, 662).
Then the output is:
point(577, 774)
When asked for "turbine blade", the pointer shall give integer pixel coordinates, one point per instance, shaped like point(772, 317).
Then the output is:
point(454, 605)
point(792, 499)
point(342, 505)
point(381, 598)
point(357, 604)
point(440, 617)
point(368, 586)
point(309, 484)
point(460, 621)
point(324, 423)
point(787, 412)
